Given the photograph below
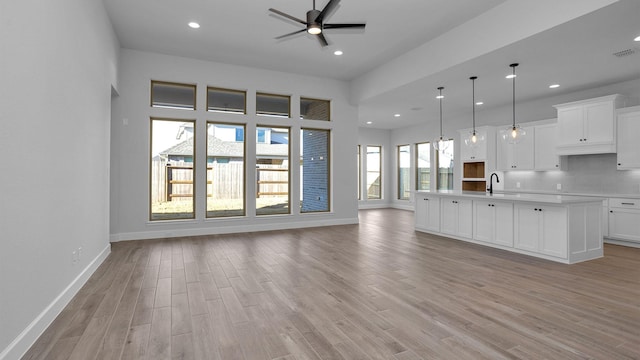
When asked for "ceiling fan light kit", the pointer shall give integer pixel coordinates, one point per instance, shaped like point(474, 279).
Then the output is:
point(315, 22)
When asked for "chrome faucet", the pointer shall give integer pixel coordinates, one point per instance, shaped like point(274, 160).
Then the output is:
point(490, 189)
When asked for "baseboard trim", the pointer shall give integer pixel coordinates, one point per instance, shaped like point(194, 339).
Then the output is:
point(31, 333)
point(157, 234)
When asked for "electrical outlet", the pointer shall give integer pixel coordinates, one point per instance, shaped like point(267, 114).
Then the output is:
point(559, 186)
point(74, 257)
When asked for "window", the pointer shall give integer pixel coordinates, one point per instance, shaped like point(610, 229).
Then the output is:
point(172, 163)
point(272, 171)
point(314, 170)
point(315, 109)
point(359, 172)
point(172, 95)
point(423, 166)
point(445, 167)
point(374, 172)
point(225, 100)
point(273, 105)
point(225, 170)
point(404, 172)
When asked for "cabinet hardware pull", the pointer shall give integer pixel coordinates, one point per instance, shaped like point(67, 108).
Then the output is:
point(611, 211)
point(619, 164)
point(625, 203)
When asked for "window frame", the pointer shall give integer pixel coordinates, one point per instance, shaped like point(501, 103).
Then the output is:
point(417, 165)
point(328, 166)
point(150, 170)
point(244, 169)
point(289, 207)
point(437, 161)
point(243, 92)
point(176, 84)
point(398, 169)
point(380, 195)
point(328, 102)
point(288, 97)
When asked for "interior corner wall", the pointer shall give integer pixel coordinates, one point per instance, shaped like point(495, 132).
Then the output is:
point(57, 67)
point(377, 137)
point(130, 144)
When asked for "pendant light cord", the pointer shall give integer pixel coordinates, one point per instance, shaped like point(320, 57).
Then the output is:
point(440, 98)
point(473, 102)
point(514, 94)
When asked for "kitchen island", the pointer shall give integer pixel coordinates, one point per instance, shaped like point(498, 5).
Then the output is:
point(560, 228)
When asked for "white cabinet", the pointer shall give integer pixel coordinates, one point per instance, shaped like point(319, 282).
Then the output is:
point(456, 217)
point(427, 214)
point(541, 229)
point(493, 222)
point(588, 126)
point(546, 157)
point(628, 145)
point(516, 156)
point(624, 219)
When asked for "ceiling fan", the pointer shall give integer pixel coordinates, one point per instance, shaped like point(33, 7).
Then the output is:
point(315, 22)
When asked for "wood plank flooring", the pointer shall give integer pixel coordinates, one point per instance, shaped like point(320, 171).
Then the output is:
point(377, 290)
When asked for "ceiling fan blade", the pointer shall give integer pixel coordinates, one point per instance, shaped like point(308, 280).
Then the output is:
point(327, 10)
point(290, 34)
point(323, 40)
point(287, 16)
point(343, 26)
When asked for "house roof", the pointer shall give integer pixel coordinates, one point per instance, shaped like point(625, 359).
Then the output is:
point(219, 148)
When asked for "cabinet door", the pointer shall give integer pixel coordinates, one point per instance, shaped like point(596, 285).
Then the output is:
point(484, 221)
point(553, 240)
point(545, 155)
point(570, 126)
point(523, 157)
point(427, 213)
point(433, 214)
point(527, 227)
point(449, 216)
point(598, 123)
point(624, 224)
point(627, 142)
point(421, 211)
point(503, 224)
point(465, 218)
point(505, 154)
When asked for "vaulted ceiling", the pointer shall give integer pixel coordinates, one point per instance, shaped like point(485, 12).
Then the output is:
point(567, 47)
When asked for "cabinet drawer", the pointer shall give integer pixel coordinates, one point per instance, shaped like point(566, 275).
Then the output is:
point(624, 203)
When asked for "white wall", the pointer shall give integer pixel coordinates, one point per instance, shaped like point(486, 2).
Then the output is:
point(130, 143)
point(57, 65)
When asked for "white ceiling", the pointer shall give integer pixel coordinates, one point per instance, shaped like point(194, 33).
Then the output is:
point(577, 54)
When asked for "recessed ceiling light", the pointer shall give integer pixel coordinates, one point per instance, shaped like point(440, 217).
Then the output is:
point(510, 76)
point(479, 103)
point(554, 86)
point(194, 25)
point(369, 122)
point(338, 52)
point(396, 115)
point(637, 38)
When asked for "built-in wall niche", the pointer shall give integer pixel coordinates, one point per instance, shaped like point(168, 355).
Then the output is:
point(473, 176)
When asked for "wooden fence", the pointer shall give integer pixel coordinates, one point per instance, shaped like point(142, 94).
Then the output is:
point(224, 181)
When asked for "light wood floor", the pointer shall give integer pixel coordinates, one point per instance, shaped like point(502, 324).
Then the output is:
point(377, 290)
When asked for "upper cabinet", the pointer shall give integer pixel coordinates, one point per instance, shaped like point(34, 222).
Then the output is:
point(546, 156)
point(588, 126)
point(516, 156)
point(628, 133)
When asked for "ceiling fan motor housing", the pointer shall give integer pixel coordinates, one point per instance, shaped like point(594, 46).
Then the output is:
point(312, 15)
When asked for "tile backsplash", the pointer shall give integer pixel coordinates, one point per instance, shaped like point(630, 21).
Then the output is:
point(584, 174)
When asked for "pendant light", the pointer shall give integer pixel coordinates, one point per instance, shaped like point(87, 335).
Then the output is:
point(440, 143)
point(474, 138)
point(514, 133)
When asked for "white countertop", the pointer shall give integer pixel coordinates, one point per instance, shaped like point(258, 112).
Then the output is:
point(528, 197)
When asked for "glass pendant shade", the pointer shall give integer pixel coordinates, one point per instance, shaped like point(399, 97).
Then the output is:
point(473, 138)
point(514, 133)
point(440, 143)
